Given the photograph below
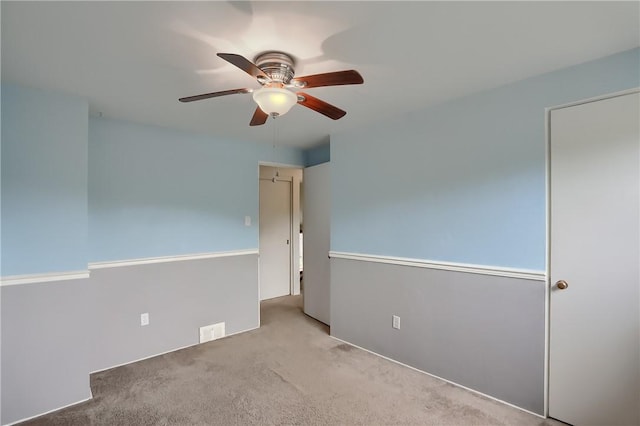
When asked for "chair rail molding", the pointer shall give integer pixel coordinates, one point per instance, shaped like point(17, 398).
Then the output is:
point(498, 271)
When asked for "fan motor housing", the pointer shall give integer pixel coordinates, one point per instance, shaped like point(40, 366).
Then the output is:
point(277, 65)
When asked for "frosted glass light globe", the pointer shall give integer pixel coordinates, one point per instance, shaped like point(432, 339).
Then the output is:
point(275, 101)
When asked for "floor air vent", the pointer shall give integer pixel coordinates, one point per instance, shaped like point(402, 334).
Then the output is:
point(212, 332)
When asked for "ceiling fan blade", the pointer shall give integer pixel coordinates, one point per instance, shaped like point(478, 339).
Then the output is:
point(259, 117)
point(244, 64)
point(214, 95)
point(337, 78)
point(320, 106)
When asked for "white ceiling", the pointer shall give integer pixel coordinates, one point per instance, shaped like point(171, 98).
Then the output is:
point(133, 60)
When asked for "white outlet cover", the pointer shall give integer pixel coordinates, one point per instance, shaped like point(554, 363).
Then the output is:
point(247, 221)
point(396, 322)
point(144, 319)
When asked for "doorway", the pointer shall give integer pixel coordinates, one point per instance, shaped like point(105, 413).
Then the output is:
point(594, 247)
point(279, 226)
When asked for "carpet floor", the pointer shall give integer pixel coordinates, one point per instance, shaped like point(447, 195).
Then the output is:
point(287, 372)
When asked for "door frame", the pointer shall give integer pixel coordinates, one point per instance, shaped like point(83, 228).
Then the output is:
point(296, 206)
point(547, 292)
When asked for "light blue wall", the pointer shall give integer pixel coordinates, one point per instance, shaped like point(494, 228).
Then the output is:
point(157, 192)
point(44, 182)
point(317, 155)
point(463, 181)
point(76, 190)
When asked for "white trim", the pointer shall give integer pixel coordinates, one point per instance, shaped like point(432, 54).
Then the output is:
point(280, 165)
point(169, 351)
point(49, 412)
point(164, 259)
point(547, 248)
point(525, 274)
point(547, 258)
point(547, 158)
point(440, 378)
point(75, 275)
point(42, 278)
point(594, 99)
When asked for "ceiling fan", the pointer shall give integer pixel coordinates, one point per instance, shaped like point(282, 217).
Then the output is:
point(275, 73)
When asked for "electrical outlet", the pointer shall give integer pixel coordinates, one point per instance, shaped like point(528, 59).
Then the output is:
point(144, 319)
point(247, 221)
point(396, 322)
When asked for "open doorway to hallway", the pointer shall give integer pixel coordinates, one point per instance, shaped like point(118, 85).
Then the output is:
point(280, 218)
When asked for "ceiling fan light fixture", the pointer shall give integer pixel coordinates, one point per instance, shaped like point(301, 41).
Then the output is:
point(275, 71)
point(275, 101)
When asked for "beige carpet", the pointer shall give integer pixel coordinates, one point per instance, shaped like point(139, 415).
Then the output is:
point(287, 372)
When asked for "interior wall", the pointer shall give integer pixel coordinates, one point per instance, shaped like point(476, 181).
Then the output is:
point(458, 184)
point(463, 181)
point(44, 182)
point(485, 332)
point(54, 334)
point(180, 297)
point(318, 154)
point(47, 338)
point(156, 192)
point(155, 216)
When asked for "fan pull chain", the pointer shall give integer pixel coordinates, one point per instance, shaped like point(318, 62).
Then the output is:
point(273, 152)
point(275, 134)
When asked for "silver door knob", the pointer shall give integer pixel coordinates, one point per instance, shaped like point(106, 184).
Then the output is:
point(562, 284)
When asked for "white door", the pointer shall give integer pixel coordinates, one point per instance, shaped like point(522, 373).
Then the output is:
point(316, 242)
point(594, 353)
point(275, 238)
